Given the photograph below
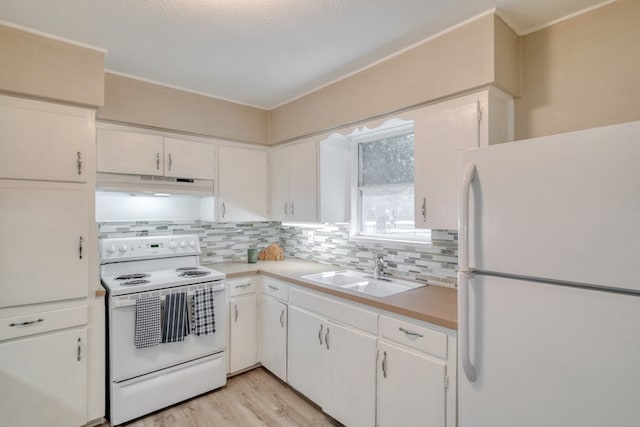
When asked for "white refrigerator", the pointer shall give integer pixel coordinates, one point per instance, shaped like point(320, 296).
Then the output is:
point(549, 281)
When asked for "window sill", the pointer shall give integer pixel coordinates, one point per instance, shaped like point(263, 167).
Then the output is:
point(390, 241)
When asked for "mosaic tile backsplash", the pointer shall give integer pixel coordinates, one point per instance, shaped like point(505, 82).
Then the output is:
point(434, 263)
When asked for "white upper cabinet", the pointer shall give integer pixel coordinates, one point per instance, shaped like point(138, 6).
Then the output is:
point(130, 153)
point(242, 184)
point(294, 182)
point(441, 132)
point(144, 154)
point(45, 141)
point(333, 164)
point(188, 159)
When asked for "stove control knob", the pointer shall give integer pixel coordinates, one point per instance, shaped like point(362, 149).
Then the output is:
point(192, 244)
point(173, 245)
point(183, 244)
point(111, 249)
point(123, 248)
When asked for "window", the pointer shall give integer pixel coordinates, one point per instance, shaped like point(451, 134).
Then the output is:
point(382, 196)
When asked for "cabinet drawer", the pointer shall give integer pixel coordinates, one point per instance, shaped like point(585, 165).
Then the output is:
point(241, 286)
point(35, 323)
point(276, 288)
point(416, 337)
point(335, 310)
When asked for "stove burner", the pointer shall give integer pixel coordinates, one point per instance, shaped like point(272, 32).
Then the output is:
point(186, 269)
point(135, 282)
point(193, 273)
point(132, 276)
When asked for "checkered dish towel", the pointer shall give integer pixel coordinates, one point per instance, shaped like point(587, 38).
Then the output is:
point(204, 321)
point(147, 324)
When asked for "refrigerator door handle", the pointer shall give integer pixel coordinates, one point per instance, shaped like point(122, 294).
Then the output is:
point(463, 216)
point(464, 272)
point(463, 326)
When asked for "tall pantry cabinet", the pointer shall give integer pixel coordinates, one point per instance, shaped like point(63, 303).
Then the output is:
point(47, 260)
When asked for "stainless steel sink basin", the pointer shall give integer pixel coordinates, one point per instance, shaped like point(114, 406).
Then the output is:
point(360, 282)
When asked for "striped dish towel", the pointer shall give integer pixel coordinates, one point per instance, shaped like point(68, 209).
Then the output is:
point(204, 320)
point(175, 326)
point(147, 324)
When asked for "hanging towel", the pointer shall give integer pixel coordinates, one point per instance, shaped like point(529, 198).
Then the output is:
point(204, 321)
point(175, 326)
point(147, 324)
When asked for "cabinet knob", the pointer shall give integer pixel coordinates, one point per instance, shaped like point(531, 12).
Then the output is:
point(170, 161)
point(282, 318)
point(424, 209)
point(79, 163)
point(320, 333)
point(384, 365)
point(157, 161)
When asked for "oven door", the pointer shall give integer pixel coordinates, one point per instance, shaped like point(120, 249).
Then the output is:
point(126, 361)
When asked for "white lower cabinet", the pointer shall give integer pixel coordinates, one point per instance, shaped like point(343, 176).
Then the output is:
point(243, 324)
point(330, 363)
point(274, 336)
point(39, 390)
point(411, 388)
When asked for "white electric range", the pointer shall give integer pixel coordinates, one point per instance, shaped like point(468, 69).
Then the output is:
point(142, 380)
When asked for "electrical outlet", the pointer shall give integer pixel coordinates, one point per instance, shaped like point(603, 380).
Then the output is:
point(310, 236)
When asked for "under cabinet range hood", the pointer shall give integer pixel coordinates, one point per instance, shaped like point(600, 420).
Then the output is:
point(149, 185)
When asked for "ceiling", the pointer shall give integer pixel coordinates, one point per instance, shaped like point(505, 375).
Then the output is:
point(261, 52)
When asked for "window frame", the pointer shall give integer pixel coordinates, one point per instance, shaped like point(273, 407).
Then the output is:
point(390, 128)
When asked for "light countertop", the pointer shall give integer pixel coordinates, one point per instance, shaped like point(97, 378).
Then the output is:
point(433, 304)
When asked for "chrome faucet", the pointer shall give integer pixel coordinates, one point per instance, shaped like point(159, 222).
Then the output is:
point(378, 266)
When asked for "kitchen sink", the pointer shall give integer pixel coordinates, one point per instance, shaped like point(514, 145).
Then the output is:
point(362, 283)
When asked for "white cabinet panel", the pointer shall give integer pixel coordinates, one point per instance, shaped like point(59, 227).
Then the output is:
point(279, 183)
point(188, 159)
point(307, 360)
point(129, 153)
point(242, 186)
point(51, 222)
point(274, 336)
point(39, 390)
point(441, 131)
point(45, 141)
point(243, 339)
point(411, 388)
point(293, 171)
point(351, 376)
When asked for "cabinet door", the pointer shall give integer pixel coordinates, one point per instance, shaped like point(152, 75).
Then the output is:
point(51, 222)
point(242, 184)
point(351, 397)
point(307, 355)
point(279, 184)
point(43, 380)
point(188, 159)
point(411, 388)
point(274, 336)
point(243, 340)
point(44, 141)
point(129, 152)
point(303, 182)
point(441, 131)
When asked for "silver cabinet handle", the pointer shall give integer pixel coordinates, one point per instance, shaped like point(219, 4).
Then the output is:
point(326, 338)
point(244, 285)
point(235, 319)
point(286, 209)
point(80, 247)
point(224, 209)
point(293, 210)
point(410, 333)
point(79, 348)
point(320, 333)
point(384, 365)
point(157, 161)
point(28, 322)
point(79, 163)
point(275, 288)
point(424, 209)
point(170, 161)
point(282, 318)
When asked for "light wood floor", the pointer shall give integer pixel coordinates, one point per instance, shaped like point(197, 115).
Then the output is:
point(253, 399)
